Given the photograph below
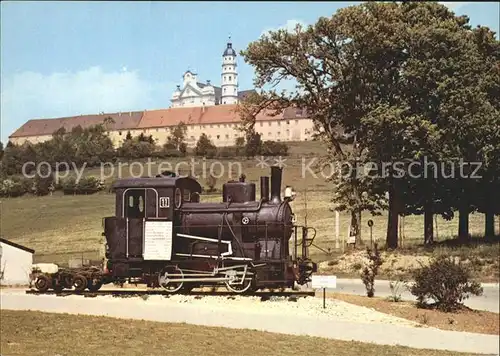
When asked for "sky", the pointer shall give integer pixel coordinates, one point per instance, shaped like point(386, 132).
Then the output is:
point(71, 58)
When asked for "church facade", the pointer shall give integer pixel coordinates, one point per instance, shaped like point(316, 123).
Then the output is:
point(193, 93)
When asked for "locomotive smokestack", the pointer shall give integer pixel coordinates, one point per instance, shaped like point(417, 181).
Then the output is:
point(264, 188)
point(276, 173)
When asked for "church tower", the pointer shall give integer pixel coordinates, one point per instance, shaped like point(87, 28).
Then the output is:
point(229, 77)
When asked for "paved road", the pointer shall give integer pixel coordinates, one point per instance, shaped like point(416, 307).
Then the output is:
point(136, 308)
point(489, 301)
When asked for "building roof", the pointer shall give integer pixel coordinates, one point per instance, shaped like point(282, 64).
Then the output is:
point(244, 93)
point(217, 114)
point(38, 127)
point(153, 118)
point(13, 244)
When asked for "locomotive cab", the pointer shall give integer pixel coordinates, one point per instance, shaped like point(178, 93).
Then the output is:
point(143, 226)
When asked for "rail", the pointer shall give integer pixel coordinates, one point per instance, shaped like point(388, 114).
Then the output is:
point(264, 295)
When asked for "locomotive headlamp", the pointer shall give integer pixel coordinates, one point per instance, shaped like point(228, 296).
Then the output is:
point(289, 193)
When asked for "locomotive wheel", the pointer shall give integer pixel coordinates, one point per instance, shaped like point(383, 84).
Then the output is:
point(42, 283)
point(170, 287)
point(80, 283)
point(235, 286)
point(94, 285)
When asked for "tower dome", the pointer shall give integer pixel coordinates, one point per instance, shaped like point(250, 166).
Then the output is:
point(229, 51)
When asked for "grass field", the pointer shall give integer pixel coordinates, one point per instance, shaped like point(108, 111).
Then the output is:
point(30, 333)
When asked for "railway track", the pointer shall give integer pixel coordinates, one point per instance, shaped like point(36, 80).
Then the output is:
point(264, 295)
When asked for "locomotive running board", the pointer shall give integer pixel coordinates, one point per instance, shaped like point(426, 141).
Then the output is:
point(224, 255)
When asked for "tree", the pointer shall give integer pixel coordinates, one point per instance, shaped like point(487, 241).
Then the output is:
point(489, 52)
point(1, 150)
point(204, 146)
point(254, 144)
point(239, 142)
point(177, 137)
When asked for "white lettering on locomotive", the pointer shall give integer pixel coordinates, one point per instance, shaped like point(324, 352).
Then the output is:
point(164, 202)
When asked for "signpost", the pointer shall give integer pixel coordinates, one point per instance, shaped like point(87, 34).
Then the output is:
point(323, 282)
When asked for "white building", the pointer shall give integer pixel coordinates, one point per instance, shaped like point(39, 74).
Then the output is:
point(196, 94)
point(15, 263)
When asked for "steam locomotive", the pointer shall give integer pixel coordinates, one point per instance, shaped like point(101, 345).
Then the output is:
point(162, 235)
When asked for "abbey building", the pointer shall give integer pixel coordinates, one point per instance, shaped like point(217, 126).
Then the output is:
point(194, 93)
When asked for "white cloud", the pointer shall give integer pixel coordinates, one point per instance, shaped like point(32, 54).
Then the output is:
point(289, 26)
point(30, 95)
point(454, 5)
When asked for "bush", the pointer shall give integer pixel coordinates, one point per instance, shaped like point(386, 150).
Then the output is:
point(445, 282)
point(228, 152)
point(69, 185)
point(86, 185)
point(167, 152)
point(43, 182)
point(43, 185)
point(211, 182)
point(272, 148)
point(371, 270)
point(136, 149)
point(15, 187)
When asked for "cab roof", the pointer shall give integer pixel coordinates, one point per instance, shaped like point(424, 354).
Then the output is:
point(158, 182)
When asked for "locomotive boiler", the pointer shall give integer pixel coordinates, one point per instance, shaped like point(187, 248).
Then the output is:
point(162, 235)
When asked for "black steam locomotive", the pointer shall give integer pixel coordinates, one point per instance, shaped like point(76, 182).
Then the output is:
point(162, 235)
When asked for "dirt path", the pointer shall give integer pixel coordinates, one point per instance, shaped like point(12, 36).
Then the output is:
point(340, 320)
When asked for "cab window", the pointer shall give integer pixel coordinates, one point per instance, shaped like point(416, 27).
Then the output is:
point(135, 204)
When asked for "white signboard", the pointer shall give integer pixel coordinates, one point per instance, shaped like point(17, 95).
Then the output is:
point(319, 282)
point(157, 240)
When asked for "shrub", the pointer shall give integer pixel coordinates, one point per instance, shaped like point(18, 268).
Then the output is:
point(167, 152)
point(69, 185)
point(395, 286)
point(272, 148)
point(88, 185)
point(43, 182)
point(371, 270)
point(15, 186)
point(211, 182)
point(445, 282)
point(228, 152)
